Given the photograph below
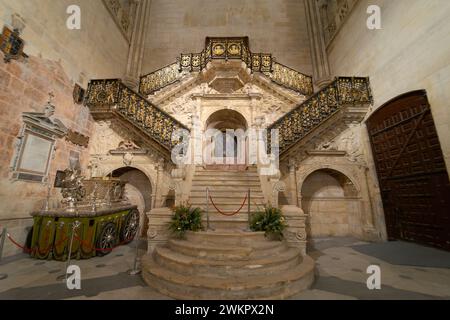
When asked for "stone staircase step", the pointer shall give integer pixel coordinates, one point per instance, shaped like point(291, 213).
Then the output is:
point(181, 263)
point(232, 237)
point(213, 252)
point(225, 224)
point(240, 189)
point(224, 195)
point(183, 286)
point(238, 177)
point(225, 173)
point(218, 182)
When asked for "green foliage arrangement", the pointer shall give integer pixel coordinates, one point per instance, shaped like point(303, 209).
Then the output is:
point(270, 220)
point(185, 218)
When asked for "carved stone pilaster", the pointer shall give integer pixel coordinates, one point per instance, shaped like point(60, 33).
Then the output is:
point(293, 182)
point(177, 184)
point(158, 224)
point(295, 233)
point(160, 169)
point(277, 187)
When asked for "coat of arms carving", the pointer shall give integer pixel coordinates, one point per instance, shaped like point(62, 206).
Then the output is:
point(11, 44)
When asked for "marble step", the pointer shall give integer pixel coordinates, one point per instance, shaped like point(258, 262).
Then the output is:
point(225, 195)
point(187, 286)
point(267, 264)
point(235, 189)
point(229, 237)
point(228, 207)
point(224, 253)
point(227, 178)
point(221, 224)
point(254, 202)
point(202, 172)
point(201, 247)
point(221, 182)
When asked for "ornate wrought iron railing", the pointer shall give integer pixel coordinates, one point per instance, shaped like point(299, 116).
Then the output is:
point(160, 78)
point(291, 79)
point(133, 107)
point(228, 49)
point(296, 124)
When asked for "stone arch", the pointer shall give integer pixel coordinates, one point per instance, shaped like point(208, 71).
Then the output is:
point(226, 119)
point(110, 169)
point(223, 146)
point(139, 188)
point(341, 169)
point(332, 201)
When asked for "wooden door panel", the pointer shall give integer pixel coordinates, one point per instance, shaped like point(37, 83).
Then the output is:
point(411, 170)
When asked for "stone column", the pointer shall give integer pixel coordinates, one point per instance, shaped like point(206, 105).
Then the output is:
point(159, 182)
point(321, 67)
point(137, 45)
point(293, 182)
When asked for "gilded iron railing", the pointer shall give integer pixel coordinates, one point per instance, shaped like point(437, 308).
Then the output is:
point(235, 48)
point(160, 78)
point(134, 108)
point(296, 124)
point(291, 79)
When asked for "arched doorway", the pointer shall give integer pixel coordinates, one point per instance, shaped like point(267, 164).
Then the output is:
point(138, 190)
point(411, 171)
point(226, 140)
point(332, 204)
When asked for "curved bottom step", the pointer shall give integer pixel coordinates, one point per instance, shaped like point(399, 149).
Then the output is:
point(235, 265)
point(200, 288)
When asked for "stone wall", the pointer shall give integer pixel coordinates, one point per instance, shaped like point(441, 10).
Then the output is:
point(410, 52)
point(98, 50)
point(58, 57)
point(274, 26)
point(23, 88)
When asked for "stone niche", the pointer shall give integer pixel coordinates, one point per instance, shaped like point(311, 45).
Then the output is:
point(333, 192)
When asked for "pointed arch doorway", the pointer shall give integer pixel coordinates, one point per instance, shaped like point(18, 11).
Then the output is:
point(227, 144)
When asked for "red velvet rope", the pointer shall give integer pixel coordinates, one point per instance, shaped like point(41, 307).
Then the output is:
point(83, 242)
point(228, 214)
point(29, 250)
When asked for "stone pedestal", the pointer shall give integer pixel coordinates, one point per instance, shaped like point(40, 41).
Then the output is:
point(295, 233)
point(158, 224)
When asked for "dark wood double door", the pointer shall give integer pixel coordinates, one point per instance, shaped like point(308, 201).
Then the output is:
point(411, 171)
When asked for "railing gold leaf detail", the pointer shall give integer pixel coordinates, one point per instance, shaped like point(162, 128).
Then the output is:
point(134, 108)
point(310, 114)
point(234, 48)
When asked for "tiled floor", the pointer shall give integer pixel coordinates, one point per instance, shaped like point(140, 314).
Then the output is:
point(408, 272)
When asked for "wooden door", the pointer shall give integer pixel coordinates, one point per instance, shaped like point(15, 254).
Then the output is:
point(411, 171)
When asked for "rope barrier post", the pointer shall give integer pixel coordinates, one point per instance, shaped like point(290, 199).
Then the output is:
point(135, 271)
point(75, 226)
point(248, 210)
point(207, 209)
point(2, 243)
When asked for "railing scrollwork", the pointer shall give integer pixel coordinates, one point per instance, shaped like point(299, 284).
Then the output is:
point(234, 48)
point(343, 91)
point(134, 108)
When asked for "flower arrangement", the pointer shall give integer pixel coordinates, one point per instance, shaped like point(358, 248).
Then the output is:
point(270, 220)
point(185, 218)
